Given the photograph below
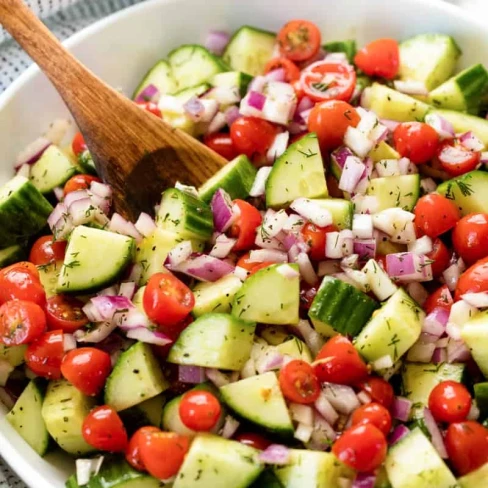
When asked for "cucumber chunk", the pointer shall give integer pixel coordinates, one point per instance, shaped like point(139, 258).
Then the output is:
point(481, 395)
point(259, 400)
point(253, 302)
point(216, 296)
point(296, 349)
point(475, 479)
point(232, 79)
point(341, 211)
point(475, 334)
point(395, 191)
point(382, 150)
point(298, 172)
point(149, 412)
point(49, 276)
point(267, 479)
point(14, 355)
point(161, 76)
point(136, 377)
point(348, 47)
point(26, 417)
point(94, 258)
point(11, 254)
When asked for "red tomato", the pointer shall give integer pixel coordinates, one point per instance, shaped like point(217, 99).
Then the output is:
point(26, 266)
point(330, 120)
point(379, 58)
point(297, 86)
point(474, 279)
point(79, 182)
point(132, 453)
point(44, 355)
point(167, 300)
point(45, 250)
point(316, 237)
point(467, 446)
point(455, 159)
point(65, 312)
point(339, 362)
point(222, 144)
point(470, 237)
point(362, 447)
point(244, 228)
point(378, 389)
point(435, 214)
point(439, 257)
point(151, 107)
point(416, 141)
point(167, 446)
point(298, 382)
point(292, 72)
point(324, 81)
point(254, 440)
point(252, 266)
point(21, 282)
point(450, 401)
point(87, 369)
point(103, 429)
point(78, 145)
point(260, 266)
point(299, 40)
point(21, 322)
point(441, 298)
point(375, 414)
point(199, 410)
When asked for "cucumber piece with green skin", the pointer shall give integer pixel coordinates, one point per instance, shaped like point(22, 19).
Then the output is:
point(135, 378)
point(340, 308)
point(259, 400)
point(218, 463)
point(236, 178)
point(298, 172)
point(64, 410)
point(462, 92)
point(94, 258)
point(382, 150)
point(185, 215)
point(475, 334)
point(214, 340)
point(11, 254)
point(71, 482)
point(475, 479)
point(401, 191)
point(275, 335)
point(26, 417)
point(232, 79)
point(185, 94)
point(382, 478)
point(267, 479)
point(86, 163)
point(249, 50)
point(392, 330)
point(161, 76)
point(428, 58)
point(216, 296)
point(49, 276)
point(419, 379)
point(481, 396)
point(348, 47)
point(413, 462)
point(279, 308)
point(23, 211)
point(296, 349)
point(119, 474)
point(149, 412)
point(14, 355)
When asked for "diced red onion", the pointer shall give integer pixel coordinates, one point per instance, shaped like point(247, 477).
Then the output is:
point(439, 356)
point(150, 93)
point(122, 226)
point(325, 409)
point(428, 338)
point(106, 306)
point(59, 211)
point(62, 228)
point(471, 142)
point(265, 242)
point(218, 378)
point(312, 211)
point(352, 172)
point(263, 255)
point(180, 253)
point(359, 143)
point(97, 334)
point(257, 84)
point(303, 432)
point(411, 87)
point(219, 96)
point(365, 204)
point(191, 374)
point(422, 245)
point(311, 337)
point(278, 147)
point(484, 157)
point(203, 267)
point(216, 41)
point(364, 398)
point(328, 267)
point(407, 266)
point(391, 124)
point(417, 292)
point(457, 352)
point(74, 196)
point(306, 269)
point(453, 331)
point(231, 115)
point(135, 272)
point(452, 273)
point(256, 100)
point(441, 125)
point(339, 244)
point(276, 75)
point(87, 468)
point(58, 191)
point(478, 300)
point(69, 342)
point(127, 289)
point(301, 413)
point(81, 211)
point(273, 222)
point(133, 318)
point(223, 215)
point(367, 121)
point(57, 131)
point(388, 167)
point(435, 433)
point(443, 342)
point(293, 225)
point(421, 353)
point(350, 262)
point(101, 189)
point(364, 248)
point(259, 185)
point(362, 226)
point(32, 152)
point(270, 360)
point(401, 408)
point(384, 362)
point(24, 170)
point(428, 185)
point(276, 454)
point(305, 104)
point(194, 109)
point(145, 224)
point(341, 397)
point(323, 434)
point(399, 432)
point(379, 133)
point(223, 246)
point(217, 123)
point(287, 272)
point(435, 322)
point(474, 412)
point(148, 336)
point(364, 480)
point(230, 427)
point(340, 155)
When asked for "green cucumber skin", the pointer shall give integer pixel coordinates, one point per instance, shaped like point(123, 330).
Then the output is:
point(481, 395)
point(12, 254)
point(348, 47)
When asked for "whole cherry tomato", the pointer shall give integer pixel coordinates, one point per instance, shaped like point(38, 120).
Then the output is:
point(78, 145)
point(21, 322)
point(252, 136)
point(474, 279)
point(222, 144)
point(416, 141)
point(21, 282)
point(316, 237)
point(378, 389)
point(65, 312)
point(45, 250)
point(375, 414)
point(132, 453)
point(439, 257)
point(44, 355)
point(435, 214)
point(292, 72)
point(470, 237)
point(244, 228)
point(379, 58)
point(450, 401)
point(199, 410)
point(103, 429)
point(79, 182)
point(441, 298)
point(299, 40)
point(298, 382)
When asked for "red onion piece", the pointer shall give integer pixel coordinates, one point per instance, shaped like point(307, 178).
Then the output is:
point(401, 408)
point(399, 432)
point(325, 409)
point(127, 289)
point(231, 115)
point(69, 342)
point(276, 75)
point(435, 322)
point(133, 318)
point(364, 480)
point(143, 334)
point(341, 397)
point(179, 254)
point(32, 152)
point(439, 356)
point(256, 100)
point(257, 84)
point(421, 353)
point(470, 141)
point(276, 454)
point(478, 300)
point(150, 93)
point(411, 87)
point(262, 255)
point(435, 433)
point(365, 248)
point(311, 337)
point(217, 41)
point(358, 142)
point(312, 211)
point(191, 374)
point(122, 226)
point(230, 427)
point(259, 185)
point(340, 155)
point(204, 267)
point(98, 334)
point(222, 247)
point(441, 125)
point(306, 269)
point(278, 147)
point(457, 352)
point(218, 378)
point(107, 306)
point(223, 215)
point(145, 224)
point(194, 108)
point(322, 435)
point(351, 174)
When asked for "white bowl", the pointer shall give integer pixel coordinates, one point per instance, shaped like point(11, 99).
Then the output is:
point(122, 47)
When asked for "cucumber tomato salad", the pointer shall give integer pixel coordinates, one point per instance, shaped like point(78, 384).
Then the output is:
point(315, 315)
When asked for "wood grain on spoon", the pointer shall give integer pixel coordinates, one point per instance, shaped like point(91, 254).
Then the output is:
point(134, 151)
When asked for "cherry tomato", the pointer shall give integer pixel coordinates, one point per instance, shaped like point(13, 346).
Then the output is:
point(474, 279)
point(378, 389)
point(416, 141)
point(298, 382)
point(299, 40)
point(199, 410)
point(79, 182)
point(297, 86)
point(254, 440)
point(339, 362)
point(65, 312)
point(21, 322)
point(439, 257)
point(450, 401)
point(222, 144)
point(330, 120)
point(467, 446)
point(252, 266)
point(379, 58)
point(25, 266)
point(167, 300)
point(375, 414)
point(441, 298)
point(44, 355)
point(21, 282)
point(78, 144)
point(151, 107)
point(103, 429)
point(252, 136)
point(167, 446)
point(45, 250)
point(470, 237)
point(87, 369)
point(244, 228)
point(362, 447)
point(316, 237)
point(435, 214)
point(132, 453)
point(292, 72)
point(456, 159)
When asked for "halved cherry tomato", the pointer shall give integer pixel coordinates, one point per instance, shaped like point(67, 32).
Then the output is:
point(439, 257)
point(416, 141)
point(244, 228)
point(330, 120)
point(456, 159)
point(222, 144)
point(378, 389)
point(252, 136)
point(467, 446)
point(167, 300)
point(21, 282)
point(470, 237)
point(44, 355)
point(379, 58)
point(87, 369)
point(324, 81)
point(65, 312)
point(316, 238)
point(78, 145)
point(45, 250)
point(339, 362)
point(103, 429)
point(79, 182)
point(375, 414)
point(254, 440)
point(151, 107)
point(435, 214)
point(474, 279)
point(362, 447)
point(21, 322)
point(298, 382)
point(199, 410)
point(132, 453)
point(299, 40)
point(450, 401)
point(441, 298)
point(292, 73)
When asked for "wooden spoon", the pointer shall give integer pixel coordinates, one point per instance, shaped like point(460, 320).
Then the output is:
point(134, 151)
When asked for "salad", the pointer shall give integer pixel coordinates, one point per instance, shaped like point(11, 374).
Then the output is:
point(314, 315)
